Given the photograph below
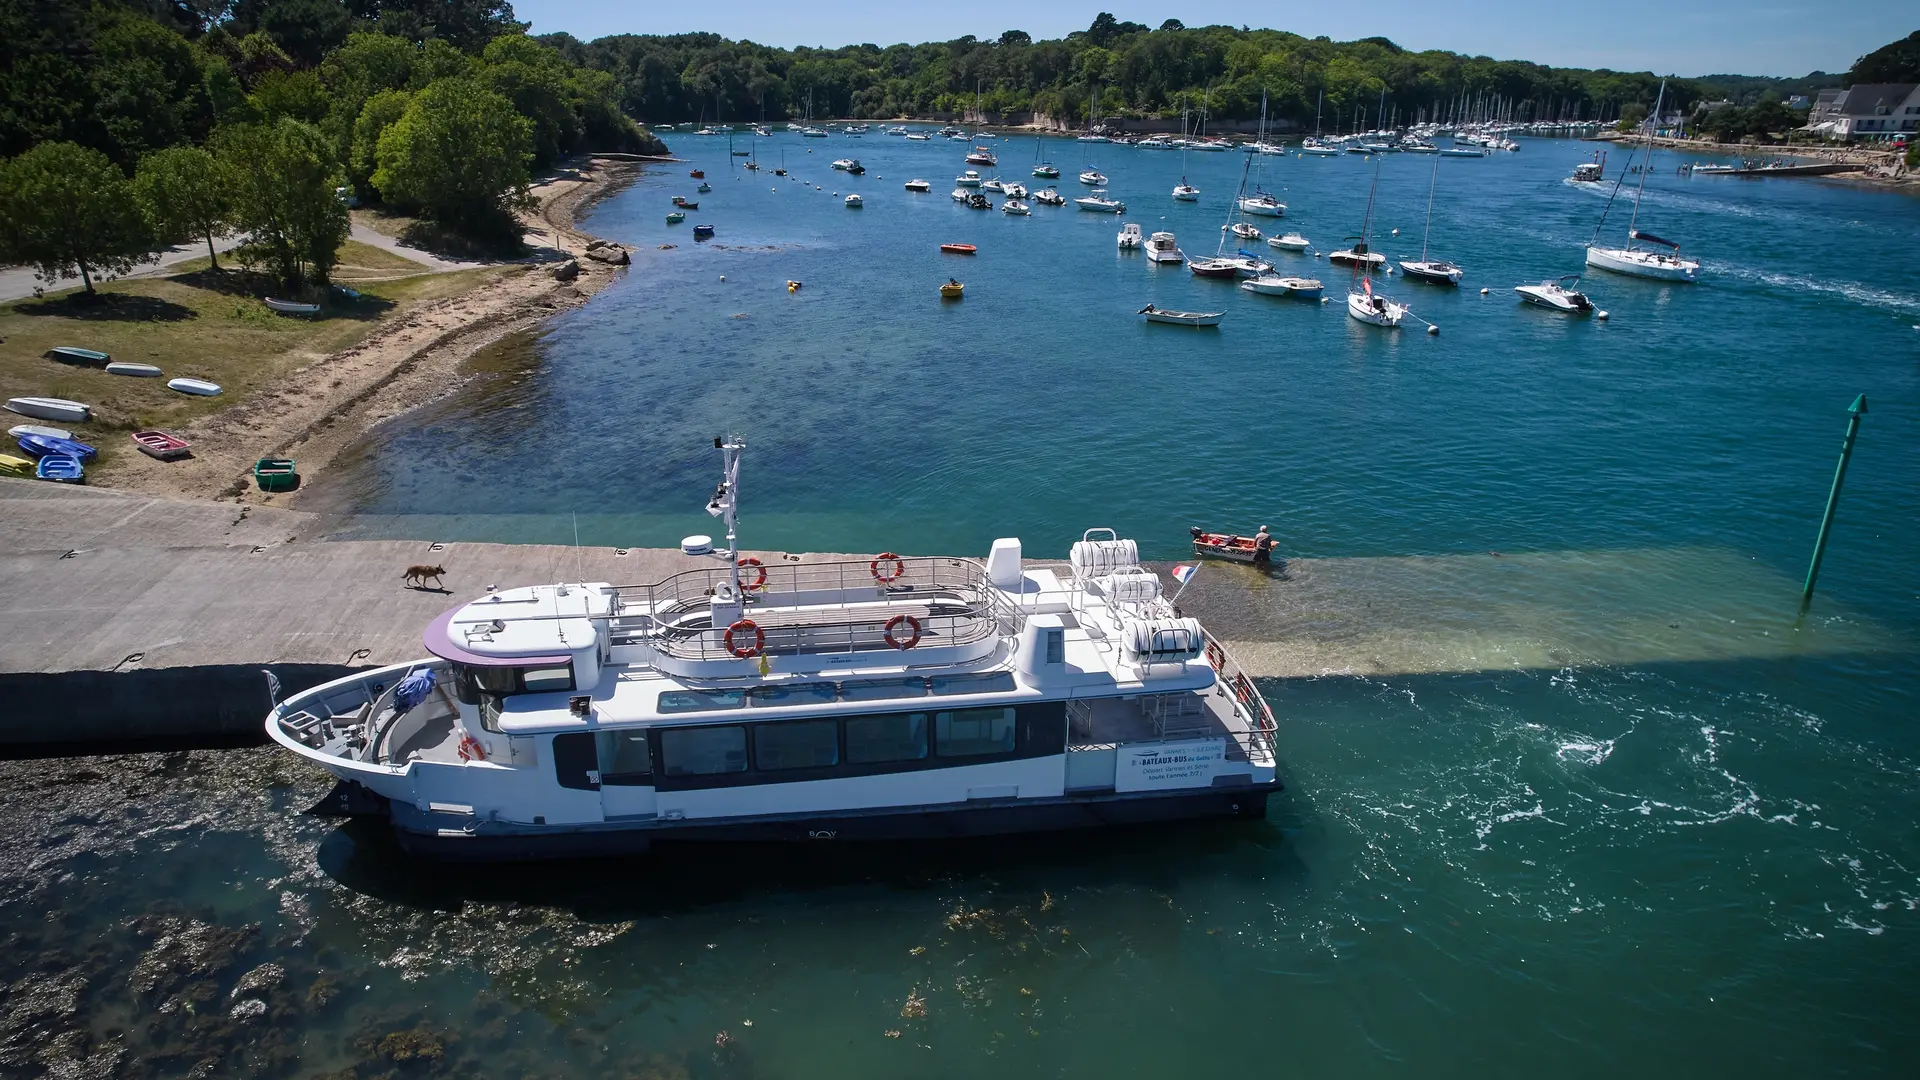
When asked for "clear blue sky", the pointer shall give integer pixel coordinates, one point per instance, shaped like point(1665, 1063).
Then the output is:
point(1679, 37)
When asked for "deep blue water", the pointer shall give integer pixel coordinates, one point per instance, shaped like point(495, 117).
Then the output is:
point(1598, 806)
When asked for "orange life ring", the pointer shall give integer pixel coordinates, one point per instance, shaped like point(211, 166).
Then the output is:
point(912, 624)
point(743, 652)
point(470, 748)
point(899, 568)
point(760, 578)
point(1216, 656)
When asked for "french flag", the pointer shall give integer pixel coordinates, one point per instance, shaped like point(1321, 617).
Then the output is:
point(1184, 571)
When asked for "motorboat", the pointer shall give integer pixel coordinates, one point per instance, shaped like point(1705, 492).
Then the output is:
point(1645, 262)
point(1016, 208)
point(952, 290)
point(1094, 177)
point(1263, 204)
point(1210, 146)
point(1228, 546)
point(1246, 265)
point(1245, 230)
point(42, 445)
point(1562, 296)
point(1291, 242)
point(993, 184)
point(1131, 238)
point(1462, 151)
point(918, 185)
point(1097, 201)
point(1186, 192)
point(1050, 197)
point(850, 165)
point(290, 307)
point(1214, 268)
point(980, 155)
point(813, 133)
point(854, 202)
point(1418, 146)
point(1358, 255)
point(18, 430)
point(73, 354)
point(1369, 307)
point(919, 136)
point(1433, 271)
point(977, 201)
point(51, 408)
point(162, 445)
point(1161, 248)
point(696, 174)
point(702, 232)
point(676, 217)
point(1014, 189)
point(961, 195)
point(1275, 285)
point(892, 698)
point(1181, 318)
point(196, 387)
point(1315, 148)
point(970, 178)
point(1587, 172)
point(61, 468)
point(1046, 171)
point(134, 370)
point(958, 249)
point(681, 202)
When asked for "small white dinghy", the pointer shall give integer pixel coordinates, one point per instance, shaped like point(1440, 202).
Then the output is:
point(199, 387)
point(50, 408)
point(288, 307)
point(1293, 241)
point(1273, 285)
point(137, 371)
point(18, 430)
point(1182, 318)
point(854, 202)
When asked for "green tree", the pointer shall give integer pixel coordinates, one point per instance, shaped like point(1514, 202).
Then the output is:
point(1898, 62)
point(286, 196)
point(188, 195)
point(306, 29)
point(298, 94)
point(460, 154)
point(380, 112)
point(69, 211)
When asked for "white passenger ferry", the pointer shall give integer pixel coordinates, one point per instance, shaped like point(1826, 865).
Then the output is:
point(833, 701)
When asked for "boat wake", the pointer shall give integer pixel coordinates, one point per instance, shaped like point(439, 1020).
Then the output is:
point(1864, 295)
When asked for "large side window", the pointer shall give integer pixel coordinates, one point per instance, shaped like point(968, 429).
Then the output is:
point(624, 758)
point(896, 737)
point(703, 751)
point(973, 732)
point(796, 744)
point(541, 680)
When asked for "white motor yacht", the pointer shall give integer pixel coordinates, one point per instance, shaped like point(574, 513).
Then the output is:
point(968, 179)
point(1279, 285)
point(918, 185)
point(1014, 189)
point(855, 202)
point(1094, 177)
point(812, 701)
point(1016, 208)
point(1293, 241)
point(1097, 201)
point(919, 136)
point(1244, 230)
point(1131, 238)
point(992, 184)
point(961, 195)
point(1161, 248)
point(1049, 197)
point(1562, 296)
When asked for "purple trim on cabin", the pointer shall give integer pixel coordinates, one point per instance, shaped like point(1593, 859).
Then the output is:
point(438, 639)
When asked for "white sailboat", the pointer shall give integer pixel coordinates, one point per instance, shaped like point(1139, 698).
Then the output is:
point(1184, 191)
point(1262, 202)
point(1661, 258)
point(1437, 271)
point(1363, 303)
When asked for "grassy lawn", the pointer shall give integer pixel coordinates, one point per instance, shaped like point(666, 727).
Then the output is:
point(358, 262)
point(198, 323)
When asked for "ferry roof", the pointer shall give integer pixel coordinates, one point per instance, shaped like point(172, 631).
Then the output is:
point(519, 627)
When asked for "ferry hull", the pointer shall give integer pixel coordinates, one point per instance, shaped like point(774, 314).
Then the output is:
point(457, 838)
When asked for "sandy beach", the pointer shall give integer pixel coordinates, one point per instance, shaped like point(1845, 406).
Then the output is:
point(413, 358)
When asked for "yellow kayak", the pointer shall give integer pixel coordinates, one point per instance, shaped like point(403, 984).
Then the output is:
point(14, 466)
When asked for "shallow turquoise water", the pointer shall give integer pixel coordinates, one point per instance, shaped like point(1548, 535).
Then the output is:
point(1639, 821)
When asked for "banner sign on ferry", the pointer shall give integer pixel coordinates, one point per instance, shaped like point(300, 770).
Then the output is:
point(1168, 765)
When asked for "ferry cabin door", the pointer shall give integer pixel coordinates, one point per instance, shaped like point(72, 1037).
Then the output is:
point(626, 773)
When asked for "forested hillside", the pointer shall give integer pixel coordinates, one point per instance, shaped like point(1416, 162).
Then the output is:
point(132, 125)
point(1138, 71)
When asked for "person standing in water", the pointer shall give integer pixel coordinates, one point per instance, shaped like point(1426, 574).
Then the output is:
point(1263, 549)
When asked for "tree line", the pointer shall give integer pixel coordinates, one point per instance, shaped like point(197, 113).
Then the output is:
point(1138, 72)
point(129, 126)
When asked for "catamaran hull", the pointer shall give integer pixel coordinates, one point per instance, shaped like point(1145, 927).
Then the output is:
point(459, 838)
point(1642, 264)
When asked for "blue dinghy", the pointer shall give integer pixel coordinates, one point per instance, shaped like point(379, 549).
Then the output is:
point(43, 445)
point(64, 468)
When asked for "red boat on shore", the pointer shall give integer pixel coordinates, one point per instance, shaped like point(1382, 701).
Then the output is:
point(162, 445)
point(1222, 545)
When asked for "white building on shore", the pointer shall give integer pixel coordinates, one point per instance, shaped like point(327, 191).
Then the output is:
point(1871, 112)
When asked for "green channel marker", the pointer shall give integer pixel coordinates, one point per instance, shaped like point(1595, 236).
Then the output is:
point(1855, 412)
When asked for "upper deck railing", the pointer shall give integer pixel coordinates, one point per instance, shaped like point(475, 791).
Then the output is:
point(892, 603)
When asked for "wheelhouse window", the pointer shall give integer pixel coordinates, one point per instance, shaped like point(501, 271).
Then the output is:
point(796, 744)
point(974, 732)
point(624, 757)
point(504, 681)
point(703, 751)
point(894, 737)
point(546, 680)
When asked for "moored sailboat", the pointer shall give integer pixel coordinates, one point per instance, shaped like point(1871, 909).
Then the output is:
point(1661, 260)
